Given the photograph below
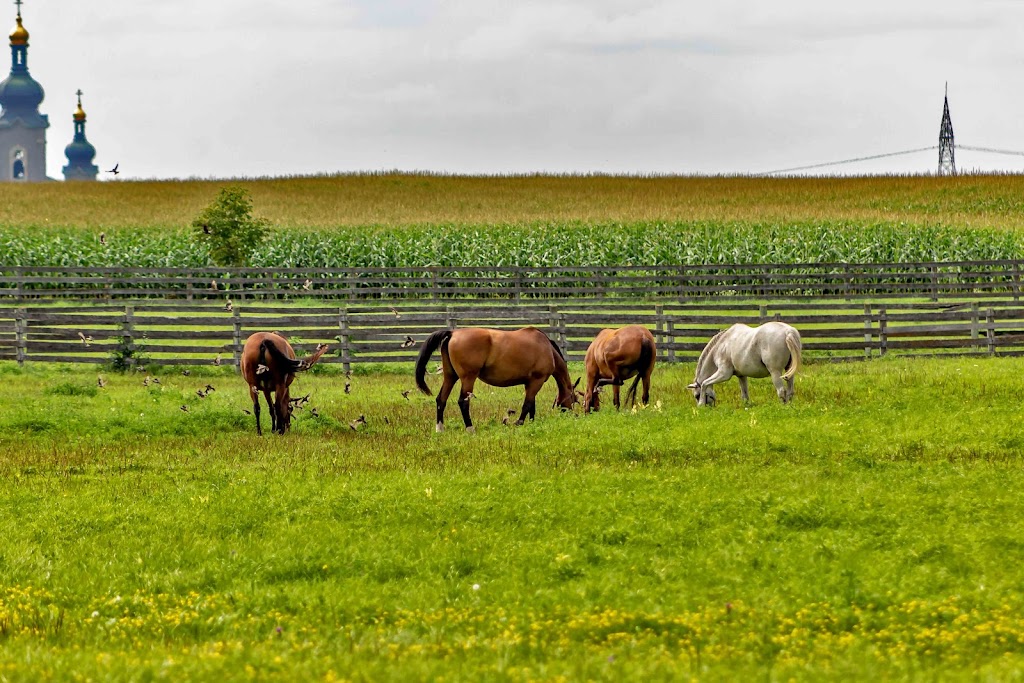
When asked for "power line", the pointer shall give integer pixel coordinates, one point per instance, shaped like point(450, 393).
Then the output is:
point(989, 149)
point(850, 161)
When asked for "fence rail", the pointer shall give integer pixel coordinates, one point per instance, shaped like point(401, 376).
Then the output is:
point(934, 280)
point(199, 334)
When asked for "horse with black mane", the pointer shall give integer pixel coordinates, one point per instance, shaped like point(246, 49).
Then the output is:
point(269, 365)
point(497, 357)
point(614, 356)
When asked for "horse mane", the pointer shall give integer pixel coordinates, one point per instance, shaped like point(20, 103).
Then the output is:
point(708, 348)
point(557, 348)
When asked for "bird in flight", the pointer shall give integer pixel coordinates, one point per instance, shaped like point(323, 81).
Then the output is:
point(409, 341)
point(114, 170)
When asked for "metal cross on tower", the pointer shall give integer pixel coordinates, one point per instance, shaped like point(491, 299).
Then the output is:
point(947, 161)
point(18, 3)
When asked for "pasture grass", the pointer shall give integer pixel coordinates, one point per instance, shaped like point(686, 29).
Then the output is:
point(401, 199)
point(872, 529)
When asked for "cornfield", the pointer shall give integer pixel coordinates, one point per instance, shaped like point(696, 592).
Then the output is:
point(530, 245)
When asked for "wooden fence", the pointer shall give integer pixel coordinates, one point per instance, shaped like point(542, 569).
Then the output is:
point(935, 281)
point(199, 334)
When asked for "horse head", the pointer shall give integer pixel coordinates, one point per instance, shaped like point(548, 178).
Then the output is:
point(709, 394)
point(568, 398)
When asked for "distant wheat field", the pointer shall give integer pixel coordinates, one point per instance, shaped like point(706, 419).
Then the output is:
point(396, 200)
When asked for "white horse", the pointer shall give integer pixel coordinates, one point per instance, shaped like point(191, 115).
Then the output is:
point(771, 349)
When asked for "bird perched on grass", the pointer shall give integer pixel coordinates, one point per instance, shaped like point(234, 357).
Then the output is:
point(100, 382)
point(184, 409)
point(348, 387)
point(186, 373)
point(103, 238)
point(314, 412)
point(200, 393)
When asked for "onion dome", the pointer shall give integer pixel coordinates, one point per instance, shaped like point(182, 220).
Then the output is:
point(20, 94)
point(19, 35)
point(80, 152)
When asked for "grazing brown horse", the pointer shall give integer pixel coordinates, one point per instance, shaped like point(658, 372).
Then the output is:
point(613, 357)
point(498, 358)
point(269, 365)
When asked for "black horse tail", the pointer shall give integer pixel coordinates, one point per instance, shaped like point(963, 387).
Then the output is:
point(280, 359)
point(643, 364)
point(426, 351)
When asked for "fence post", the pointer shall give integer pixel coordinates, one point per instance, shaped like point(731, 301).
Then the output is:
point(236, 337)
point(449, 317)
point(847, 281)
point(883, 335)
point(553, 319)
point(659, 326)
point(1015, 287)
point(974, 325)
point(343, 339)
point(990, 331)
point(762, 312)
point(20, 325)
point(867, 331)
point(670, 333)
point(128, 333)
point(563, 342)
point(933, 273)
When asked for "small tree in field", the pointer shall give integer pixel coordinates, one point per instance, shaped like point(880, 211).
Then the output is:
point(229, 229)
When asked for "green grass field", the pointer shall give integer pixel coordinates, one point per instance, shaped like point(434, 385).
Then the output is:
point(872, 529)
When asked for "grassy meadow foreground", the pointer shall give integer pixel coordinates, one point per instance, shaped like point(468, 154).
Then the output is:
point(872, 529)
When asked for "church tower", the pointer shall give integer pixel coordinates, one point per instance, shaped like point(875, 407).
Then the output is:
point(80, 152)
point(22, 127)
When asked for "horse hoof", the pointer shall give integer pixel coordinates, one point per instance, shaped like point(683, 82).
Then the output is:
point(440, 427)
point(471, 429)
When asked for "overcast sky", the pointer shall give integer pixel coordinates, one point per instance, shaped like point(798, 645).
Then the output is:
point(218, 88)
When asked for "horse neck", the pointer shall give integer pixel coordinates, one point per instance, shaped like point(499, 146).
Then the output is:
point(703, 372)
point(562, 378)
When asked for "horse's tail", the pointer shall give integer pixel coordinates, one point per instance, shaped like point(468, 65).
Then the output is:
point(643, 364)
point(311, 361)
point(426, 351)
point(794, 346)
point(280, 359)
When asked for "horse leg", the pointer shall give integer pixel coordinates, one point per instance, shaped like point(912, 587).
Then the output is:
point(647, 385)
point(273, 411)
point(743, 388)
point(530, 400)
point(780, 387)
point(255, 394)
point(720, 375)
point(789, 389)
point(465, 393)
point(615, 395)
point(442, 397)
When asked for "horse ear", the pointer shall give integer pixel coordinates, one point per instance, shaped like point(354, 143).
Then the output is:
point(693, 386)
point(577, 383)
